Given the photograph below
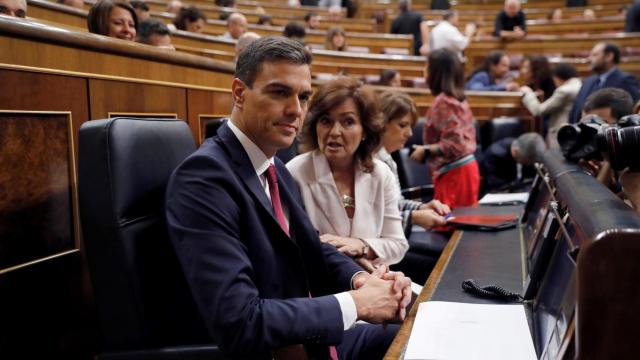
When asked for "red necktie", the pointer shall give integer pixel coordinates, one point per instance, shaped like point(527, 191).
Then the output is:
point(272, 180)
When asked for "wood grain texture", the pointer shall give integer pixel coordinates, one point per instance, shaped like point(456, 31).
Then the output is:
point(400, 342)
point(202, 103)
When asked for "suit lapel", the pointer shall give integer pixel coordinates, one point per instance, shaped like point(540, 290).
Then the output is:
point(325, 194)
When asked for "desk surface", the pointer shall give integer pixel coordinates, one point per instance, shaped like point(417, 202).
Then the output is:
point(493, 257)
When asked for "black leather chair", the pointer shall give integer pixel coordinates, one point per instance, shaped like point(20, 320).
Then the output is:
point(144, 304)
point(500, 128)
point(212, 126)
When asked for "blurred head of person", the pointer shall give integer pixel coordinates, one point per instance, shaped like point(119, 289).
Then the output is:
point(603, 57)
point(445, 74)
point(555, 14)
point(609, 103)
point(155, 33)
point(528, 148)
point(236, 25)
point(390, 77)
point(174, 6)
point(15, 8)
point(536, 72)
point(294, 30)
point(344, 123)
point(141, 8)
point(336, 39)
point(312, 20)
point(190, 19)
point(113, 18)
point(400, 115)
point(244, 40)
point(511, 7)
point(562, 72)
point(265, 20)
point(74, 3)
point(451, 17)
point(588, 14)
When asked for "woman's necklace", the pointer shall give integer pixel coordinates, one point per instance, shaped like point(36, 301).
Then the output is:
point(348, 201)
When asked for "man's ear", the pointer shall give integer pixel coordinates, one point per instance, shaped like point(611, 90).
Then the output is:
point(238, 90)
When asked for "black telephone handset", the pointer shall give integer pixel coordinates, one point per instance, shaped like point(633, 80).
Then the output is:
point(491, 291)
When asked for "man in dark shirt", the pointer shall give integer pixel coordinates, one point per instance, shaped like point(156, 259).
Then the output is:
point(511, 22)
point(411, 22)
point(633, 18)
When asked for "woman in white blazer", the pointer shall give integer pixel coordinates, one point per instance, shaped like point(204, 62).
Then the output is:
point(559, 105)
point(351, 198)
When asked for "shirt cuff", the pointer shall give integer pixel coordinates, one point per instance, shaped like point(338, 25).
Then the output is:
point(348, 308)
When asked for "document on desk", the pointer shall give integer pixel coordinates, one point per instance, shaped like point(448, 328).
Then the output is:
point(504, 199)
point(457, 331)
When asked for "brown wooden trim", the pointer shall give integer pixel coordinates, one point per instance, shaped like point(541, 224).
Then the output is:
point(400, 342)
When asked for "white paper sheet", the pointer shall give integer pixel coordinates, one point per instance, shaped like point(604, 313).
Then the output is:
point(457, 331)
point(494, 199)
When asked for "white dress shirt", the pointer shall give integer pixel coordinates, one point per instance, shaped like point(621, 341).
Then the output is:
point(445, 35)
point(260, 164)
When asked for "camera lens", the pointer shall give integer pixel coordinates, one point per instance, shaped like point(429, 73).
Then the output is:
point(621, 144)
point(568, 137)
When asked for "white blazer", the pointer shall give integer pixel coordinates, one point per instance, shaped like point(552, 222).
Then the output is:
point(376, 218)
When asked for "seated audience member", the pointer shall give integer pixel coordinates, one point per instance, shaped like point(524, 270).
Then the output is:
point(632, 21)
point(510, 23)
point(576, 3)
point(491, 75)
point(113, 18)
point(446, 35)
point(400, 116)
point(449, 134)
point(141, 8)
point(336, 39)
point(588, 14)
point(174, 7)
point(75, 3)
point(295, 31)
point(555, 15)
point(312, 21)
point(15, 8)
point(604, 59)
point(155, 33)
point(225, 3)
point(536, 73)
point(558, 106)
point(190, 19)
point(244, 40)
point(412, 22)
point(391, 77)
point(503, 160)
point(265, 285)
point(236, 26)
point(351, 198)
point(266, 20)
point(610, 104)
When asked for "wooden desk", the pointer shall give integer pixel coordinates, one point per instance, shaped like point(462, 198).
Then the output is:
point(489, 266)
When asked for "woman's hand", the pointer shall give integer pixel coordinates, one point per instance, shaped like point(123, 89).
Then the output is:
point(349, 246)
point(427, 218)
point(419, 153)
point(435, 205)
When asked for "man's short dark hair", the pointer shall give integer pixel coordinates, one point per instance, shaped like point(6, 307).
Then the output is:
point(611, 48)
point(294, 30)
point(188, 15)
point(564, 71)
point(269, 49)
point(140, 5)
point(150, 27)
point(618, 100)
point(309, 15)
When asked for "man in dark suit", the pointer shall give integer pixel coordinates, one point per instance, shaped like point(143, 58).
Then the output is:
point(265, 284)
point(411, 22)
point(604, 59)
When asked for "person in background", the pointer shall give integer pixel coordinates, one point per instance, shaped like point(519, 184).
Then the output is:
point(391, 77)
point(336, 39)
point(555, 15)
point(294, 30)
point(266, 20)
point(15, 8)
point(511, 23)
point(190, 19)
point(141, 8)
point(610, 104)
point(632, 19)
point(244, 41)
point(604, 59)
point(236, 26)
point(74, 3)
point(411, 22)
point(536, 73)
point(114, 19)
point(155, 33)
point(558, 106)
point(174, 7)
point(449, 134)
point(312, 21)
point(351, 198)
point(503, 160)
point(588, 14)
point(492, 74)
point(446, 34)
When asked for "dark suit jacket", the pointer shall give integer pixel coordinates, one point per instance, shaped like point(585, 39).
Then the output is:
point(617, 79)
point(250, 281)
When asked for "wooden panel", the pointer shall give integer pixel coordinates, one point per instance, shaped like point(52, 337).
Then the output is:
point(204, 105)
point(120, 97)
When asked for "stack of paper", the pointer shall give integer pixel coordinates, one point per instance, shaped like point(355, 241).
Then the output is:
point(498, 199)
point(457, 331)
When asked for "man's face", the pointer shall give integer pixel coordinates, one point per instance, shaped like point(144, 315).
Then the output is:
point(17, 8)
point(500, 70)
point(237, 27)
point(163, 41)
point(600, 62)
point(314, 22)
point(272, 111)
point(512, 8)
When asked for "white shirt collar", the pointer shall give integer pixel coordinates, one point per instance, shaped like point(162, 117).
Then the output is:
point(258, 159)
